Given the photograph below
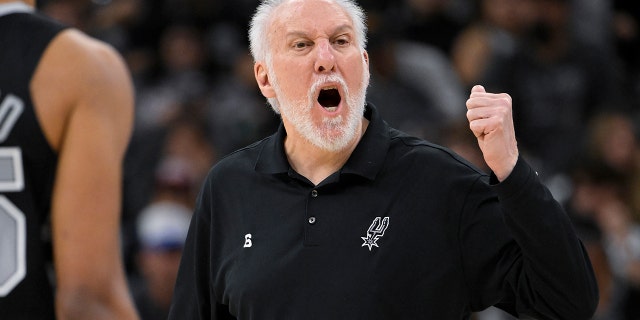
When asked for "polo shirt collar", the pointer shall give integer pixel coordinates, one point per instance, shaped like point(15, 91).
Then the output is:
point(366, 160)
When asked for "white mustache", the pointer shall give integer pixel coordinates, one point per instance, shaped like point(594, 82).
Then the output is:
point(325, 79)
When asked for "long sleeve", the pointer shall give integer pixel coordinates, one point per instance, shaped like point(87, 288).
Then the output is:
point(540, 268)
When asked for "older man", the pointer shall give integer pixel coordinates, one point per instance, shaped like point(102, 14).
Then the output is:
point(338, 216)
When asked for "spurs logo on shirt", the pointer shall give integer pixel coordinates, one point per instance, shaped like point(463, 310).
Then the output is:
point(375, 232)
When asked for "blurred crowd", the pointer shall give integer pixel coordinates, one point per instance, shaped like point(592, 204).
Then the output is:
point(572, 68)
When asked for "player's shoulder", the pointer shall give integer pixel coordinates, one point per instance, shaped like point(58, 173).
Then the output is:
point(78, 72)
point(87, 68)
point(81, 49)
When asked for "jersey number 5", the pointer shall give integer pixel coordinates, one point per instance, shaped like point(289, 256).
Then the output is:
point(12, 220)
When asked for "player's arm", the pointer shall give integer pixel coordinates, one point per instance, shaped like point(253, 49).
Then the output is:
point(92, 137)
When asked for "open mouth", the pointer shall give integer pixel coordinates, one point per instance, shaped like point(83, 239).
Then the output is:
point(329, 98)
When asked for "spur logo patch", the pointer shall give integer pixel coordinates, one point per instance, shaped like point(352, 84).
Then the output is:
point(375, 232)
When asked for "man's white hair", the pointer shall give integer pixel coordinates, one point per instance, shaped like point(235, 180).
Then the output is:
point(263, 17)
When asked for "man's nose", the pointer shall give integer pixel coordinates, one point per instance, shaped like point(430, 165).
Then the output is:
point(326, 60)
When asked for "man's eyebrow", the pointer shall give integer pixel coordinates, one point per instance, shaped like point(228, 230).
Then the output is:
point(301, 34)
point(296, 34)
point(343, 28)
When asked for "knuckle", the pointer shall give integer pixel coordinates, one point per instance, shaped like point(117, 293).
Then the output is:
point(506, 98)
point(469, 114)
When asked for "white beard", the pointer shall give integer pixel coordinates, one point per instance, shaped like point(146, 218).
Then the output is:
point(334, 133)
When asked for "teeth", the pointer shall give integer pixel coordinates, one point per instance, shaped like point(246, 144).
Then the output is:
point(330, 88)
point(331, 109)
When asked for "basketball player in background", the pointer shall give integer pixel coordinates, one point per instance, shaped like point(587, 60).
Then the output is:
point(66, 115)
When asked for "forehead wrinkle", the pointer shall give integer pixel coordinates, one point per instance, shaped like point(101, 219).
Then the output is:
point(288, 19)
point(291, 12)
point(303, 34)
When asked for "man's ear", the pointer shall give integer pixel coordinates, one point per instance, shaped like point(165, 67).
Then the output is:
point(262, 78)
point(365, 56)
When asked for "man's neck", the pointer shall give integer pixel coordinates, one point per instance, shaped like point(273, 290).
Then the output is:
point(314, 163)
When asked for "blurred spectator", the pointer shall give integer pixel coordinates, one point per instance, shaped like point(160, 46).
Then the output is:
point(492, 37)
point(188, 138)
point(613, 143)
point(414, 85)
point(401, 104)
point(175, 156)
point(114, 23)
point(626, 40)
point(622, 246)
point(612, 140)
point(166, 163)
point(162, 229)
point(608, 308)
point(557, 84)
point(226, 43)
point(181, 80)
point(236, 110)
point(591, 22)
point(611, 293)
point(598, 198)
point(175, 181)
point(431, 22)
point(74, 13)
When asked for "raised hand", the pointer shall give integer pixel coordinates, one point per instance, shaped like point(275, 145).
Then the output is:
point(491, 120)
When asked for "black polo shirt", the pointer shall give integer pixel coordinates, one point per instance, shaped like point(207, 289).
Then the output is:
point(405, 230)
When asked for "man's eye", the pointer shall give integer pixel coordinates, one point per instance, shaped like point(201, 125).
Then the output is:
point(342, 42)
point(300, 45)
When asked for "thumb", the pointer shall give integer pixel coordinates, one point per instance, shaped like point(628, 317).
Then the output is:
point(477, 89)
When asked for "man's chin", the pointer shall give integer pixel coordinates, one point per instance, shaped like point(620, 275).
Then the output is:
point(335, 140)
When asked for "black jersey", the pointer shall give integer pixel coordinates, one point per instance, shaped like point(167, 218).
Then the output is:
point(27, 170)
point(405, 229)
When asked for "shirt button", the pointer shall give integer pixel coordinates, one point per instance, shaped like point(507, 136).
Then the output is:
point(312, 220)
point(314, 193)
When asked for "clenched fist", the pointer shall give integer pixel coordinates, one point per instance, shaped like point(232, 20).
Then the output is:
point(491, 120)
